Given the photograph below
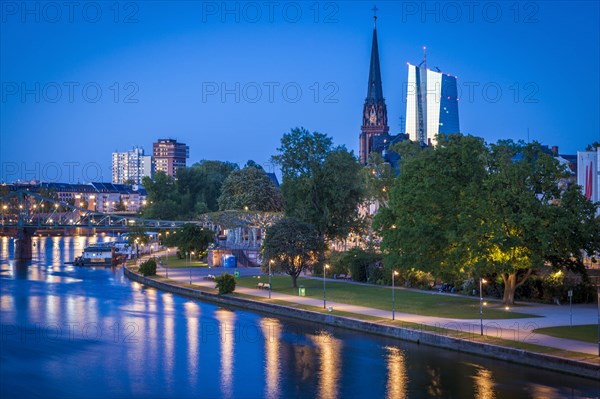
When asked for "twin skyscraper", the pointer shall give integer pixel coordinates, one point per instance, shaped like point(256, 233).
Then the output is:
point(431, 106)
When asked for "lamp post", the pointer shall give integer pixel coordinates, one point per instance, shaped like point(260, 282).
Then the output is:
point(167, 262)
point(191, 253)
point(325, 267)
point(270, 263)
point(394, 274)
point(481, 282)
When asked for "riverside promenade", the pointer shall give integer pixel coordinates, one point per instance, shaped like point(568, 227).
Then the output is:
point(520, 329)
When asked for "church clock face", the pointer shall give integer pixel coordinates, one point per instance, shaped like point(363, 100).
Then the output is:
point(373, 117)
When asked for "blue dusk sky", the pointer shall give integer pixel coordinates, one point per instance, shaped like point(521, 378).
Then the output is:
point(84, 79)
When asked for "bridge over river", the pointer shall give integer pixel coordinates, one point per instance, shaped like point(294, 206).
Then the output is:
point(24, 213)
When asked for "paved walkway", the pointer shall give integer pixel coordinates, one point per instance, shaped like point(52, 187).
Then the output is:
point(512, 329)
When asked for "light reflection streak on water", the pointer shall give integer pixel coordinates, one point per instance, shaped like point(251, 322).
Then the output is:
point(168, 338)
point(397, 380)
point(544, 392)
point(271, 330)
point(192, 315)
point(330, 365)
point(226, 320)
point(165, 360)
point(484, 384)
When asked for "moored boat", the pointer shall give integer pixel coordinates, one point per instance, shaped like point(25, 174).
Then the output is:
point(100, 254)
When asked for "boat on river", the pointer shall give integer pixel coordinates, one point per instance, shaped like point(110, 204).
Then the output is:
point(101, 254)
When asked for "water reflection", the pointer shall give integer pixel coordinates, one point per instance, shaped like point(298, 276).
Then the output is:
point(271, 330)
point(155, 344)
point(545, 392)
point(192, 314)
point(226, 320)
point(397, 374)
point(329, 359)
point(434, 388)
point(484, 384)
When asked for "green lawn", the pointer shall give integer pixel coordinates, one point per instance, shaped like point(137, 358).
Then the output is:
point(175, 262)
point(380, 297)
point(585, 333)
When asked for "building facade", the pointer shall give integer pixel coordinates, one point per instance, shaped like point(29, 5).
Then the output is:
point(131, 166)
point(96, 196)
point(431, 104)
point(588, 173)
point(374, 117)
point(169, 155)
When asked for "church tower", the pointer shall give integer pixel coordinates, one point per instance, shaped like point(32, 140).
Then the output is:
point(374, 121)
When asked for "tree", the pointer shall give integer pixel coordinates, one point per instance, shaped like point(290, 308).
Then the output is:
point(202, 183)
point(292, 246)
point(250, 189)
point(422, 227)
point(195, 191)
point(464, 208)
point(322, 184)
point(136, 235)
point(379, 178)
point(193, 238)
point(593, 146)
point(532, 218)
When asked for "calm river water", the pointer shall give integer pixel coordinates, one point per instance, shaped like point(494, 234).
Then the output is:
point(90, 332)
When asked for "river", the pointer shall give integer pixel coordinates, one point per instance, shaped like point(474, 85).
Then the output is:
point(70, 331)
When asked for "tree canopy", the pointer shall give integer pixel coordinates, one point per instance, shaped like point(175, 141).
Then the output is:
point(250, 189)
point(322, 184)
point(505, 209)
point(195, 191)
point(291, 246)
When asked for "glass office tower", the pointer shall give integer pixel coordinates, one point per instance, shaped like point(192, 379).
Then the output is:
point(431, 104)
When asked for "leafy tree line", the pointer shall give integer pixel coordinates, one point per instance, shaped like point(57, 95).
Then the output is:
point(209, 186)
point(465, 208)
point(322, 187)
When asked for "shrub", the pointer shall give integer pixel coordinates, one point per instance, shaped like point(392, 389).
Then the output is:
point(225, 283)
point(419, 279)
point(148, 268)
point(376, 276)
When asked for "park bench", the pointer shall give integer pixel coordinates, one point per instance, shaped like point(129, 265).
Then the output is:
point(263, 286)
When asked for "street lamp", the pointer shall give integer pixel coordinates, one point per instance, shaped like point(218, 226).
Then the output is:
point(325, 267)
point(270, 263)
point(191, 253)
point(394, 274)
point(481, 282)
point(167, 262)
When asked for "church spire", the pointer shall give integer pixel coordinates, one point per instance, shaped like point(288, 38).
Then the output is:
point(375, 91)
point(374, 128)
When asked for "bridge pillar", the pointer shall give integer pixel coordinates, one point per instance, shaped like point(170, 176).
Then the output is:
point(23, 243)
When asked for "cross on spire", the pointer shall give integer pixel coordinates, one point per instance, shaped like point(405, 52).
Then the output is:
point(374, 9)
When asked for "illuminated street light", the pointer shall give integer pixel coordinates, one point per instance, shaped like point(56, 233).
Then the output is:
point(325, 267)
point(394, 274)
point(481, 282)
point(270, 263)
point(191, 253)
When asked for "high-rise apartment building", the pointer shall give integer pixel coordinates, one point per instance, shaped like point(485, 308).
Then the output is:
point(169, 155)
point(131, 166)
point(431, 104)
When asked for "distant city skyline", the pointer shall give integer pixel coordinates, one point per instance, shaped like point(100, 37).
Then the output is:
point(228, 79)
